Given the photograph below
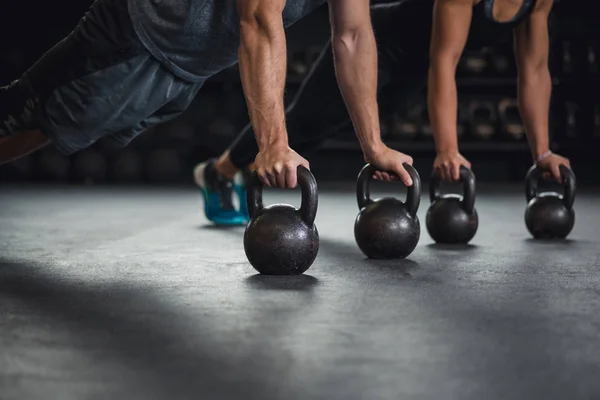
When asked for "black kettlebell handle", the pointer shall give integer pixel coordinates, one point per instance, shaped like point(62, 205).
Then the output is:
point(413, 194)
point(534, 175)
point(467, 177)
point(310, 197)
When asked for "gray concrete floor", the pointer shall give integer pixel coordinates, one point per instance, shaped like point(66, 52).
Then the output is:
point(119, 293)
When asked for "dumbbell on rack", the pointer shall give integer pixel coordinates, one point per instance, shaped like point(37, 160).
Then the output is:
point(472, 64)
point(482, 119)
point(296, 65)
point(406, 125)
point(402, 128)
point(301, 61)
point(510, 118)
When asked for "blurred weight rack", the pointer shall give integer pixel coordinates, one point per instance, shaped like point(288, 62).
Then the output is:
point(489, 125)
point(577, 98)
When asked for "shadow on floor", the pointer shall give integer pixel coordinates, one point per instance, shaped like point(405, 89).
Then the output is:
point(452, 247)
point(555, 242)
point(237, 229)
point(343, 250)
point(297, 283)
point(404, 267)
point(132, 327)
point(348, 253)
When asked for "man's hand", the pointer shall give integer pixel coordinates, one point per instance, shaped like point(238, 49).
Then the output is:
point(550, 165)
point(277, 166)
point(447, 165)
point(389, 162)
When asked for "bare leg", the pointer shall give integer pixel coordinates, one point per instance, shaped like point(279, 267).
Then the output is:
point(21, 144)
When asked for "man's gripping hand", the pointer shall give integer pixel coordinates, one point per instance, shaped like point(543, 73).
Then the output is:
point(550, 164)
point(389, 162)
point(447, 165)
point(277, 166)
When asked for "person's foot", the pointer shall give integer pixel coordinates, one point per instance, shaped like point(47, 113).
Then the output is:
point(218, 195)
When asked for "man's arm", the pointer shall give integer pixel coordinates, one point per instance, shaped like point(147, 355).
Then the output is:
point(262, 56)
point(355, 54)
point(451, 22)
point(263, 63)
point(534, 81)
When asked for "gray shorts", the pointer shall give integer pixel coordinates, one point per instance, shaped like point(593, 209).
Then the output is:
point(99, 82)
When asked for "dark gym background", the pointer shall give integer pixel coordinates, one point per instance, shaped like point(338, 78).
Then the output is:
point(492, 137)
point(116, 287)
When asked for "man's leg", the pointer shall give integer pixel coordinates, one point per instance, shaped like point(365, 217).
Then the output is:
point(96, 82)
point(16, 146)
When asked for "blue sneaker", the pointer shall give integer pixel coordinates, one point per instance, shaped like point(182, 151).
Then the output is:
point(218, 196)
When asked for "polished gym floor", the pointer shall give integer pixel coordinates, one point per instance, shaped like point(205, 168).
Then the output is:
point(120, 293)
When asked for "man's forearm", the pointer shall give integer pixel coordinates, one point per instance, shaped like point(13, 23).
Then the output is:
point(356, 71)
point(535, 88)
point(442, 104)
point(262, 56)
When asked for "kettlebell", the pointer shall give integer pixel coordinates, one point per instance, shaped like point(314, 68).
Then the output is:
point(280, 239)
point(451, 218)
point(549, 215)
point(387, 228)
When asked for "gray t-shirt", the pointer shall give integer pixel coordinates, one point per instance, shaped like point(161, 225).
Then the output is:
point(196, 39)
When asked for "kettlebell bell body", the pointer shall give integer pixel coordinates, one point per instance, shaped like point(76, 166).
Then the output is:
point(280, 239)
point(387, 228)
point(451, 218)
point(549, 215)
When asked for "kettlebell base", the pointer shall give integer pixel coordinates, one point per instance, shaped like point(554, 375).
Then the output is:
point(385, 231)
point(453, 242)
point(275, 271)
point(387, 257)
point(447, 223)
point(549, 236)
point(278, 242)
point(546, 218)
